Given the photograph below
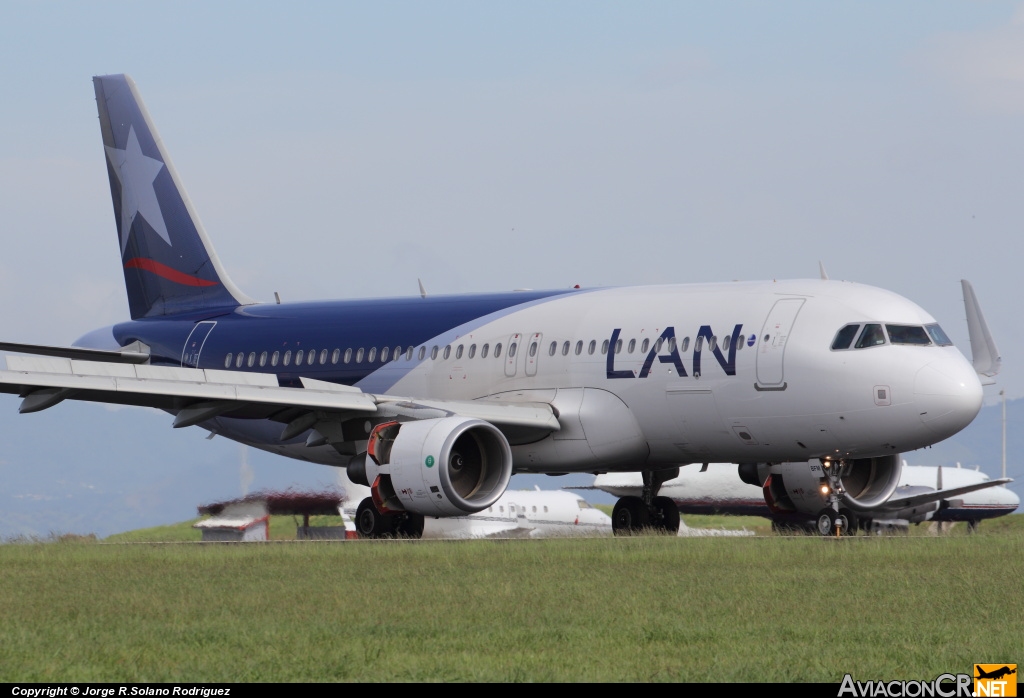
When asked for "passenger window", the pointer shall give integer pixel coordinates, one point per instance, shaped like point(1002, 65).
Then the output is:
point(713, 343)
point(348, 355)
point(458, 352)
point(360, 352)
point(447, 350)
point(323, 356)
point(604, 347)
point(844, 337)
point(579, 347)
point(274, 358)
point(545, 509)
point(384, 354)
point(423, 352)
point(397, 353)
point(552, 349)
point(311, 357)
point(227, 360)
point(726, 341)
point(287, 358)
point(263, 359)
point(408, 354)
point(686, 344)
point(497, 350)
point(239, 359)
point(433, 352)
point(618, 346)
point(908, 334)
point(632, 346)
point(371, 355)
point(512, 349)
point(871, 336)
point(698, 344)
point(938, 336)
point(644, 346)
point(472, 350)
point(533, 349)
point(335, 356)
point(565, 348)
point(483, 351)
point(660, 343)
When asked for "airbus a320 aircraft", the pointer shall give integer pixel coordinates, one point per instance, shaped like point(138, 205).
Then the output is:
point(434, 402)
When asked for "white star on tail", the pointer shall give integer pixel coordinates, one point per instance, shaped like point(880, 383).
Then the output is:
point(137, 172)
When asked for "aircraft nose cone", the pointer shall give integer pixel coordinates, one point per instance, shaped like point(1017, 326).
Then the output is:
point(948, 396)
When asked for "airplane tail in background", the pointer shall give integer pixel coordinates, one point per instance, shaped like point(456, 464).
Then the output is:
point(169, 265)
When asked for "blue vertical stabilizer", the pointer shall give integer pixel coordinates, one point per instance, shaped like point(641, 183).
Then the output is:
point(169, 265)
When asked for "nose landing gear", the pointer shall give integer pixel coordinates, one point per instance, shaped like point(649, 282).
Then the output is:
point(834, 520)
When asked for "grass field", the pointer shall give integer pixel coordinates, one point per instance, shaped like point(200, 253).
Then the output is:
point(604, 609)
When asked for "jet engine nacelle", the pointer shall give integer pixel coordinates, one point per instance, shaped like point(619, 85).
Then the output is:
point(803, 486)
point(452, 466)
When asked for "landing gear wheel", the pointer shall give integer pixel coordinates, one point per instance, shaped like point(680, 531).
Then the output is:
point(666, 514)
point(629, 517)
point(852, 524)
point(411, 526)
point(825, 523)
point(370, 523)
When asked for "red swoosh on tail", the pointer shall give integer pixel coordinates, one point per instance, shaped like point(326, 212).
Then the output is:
point(164, 271)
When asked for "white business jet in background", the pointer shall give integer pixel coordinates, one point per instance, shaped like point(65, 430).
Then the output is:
point(434, 402)
point(516, 514)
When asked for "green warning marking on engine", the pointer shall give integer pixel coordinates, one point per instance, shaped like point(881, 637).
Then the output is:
point(430, 461)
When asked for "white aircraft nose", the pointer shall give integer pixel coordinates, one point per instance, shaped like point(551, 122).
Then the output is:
point(948, 396)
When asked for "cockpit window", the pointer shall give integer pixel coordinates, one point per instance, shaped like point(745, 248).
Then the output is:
point(938, 336)
point(845, 336)
point(871, 336)
point(908, 334)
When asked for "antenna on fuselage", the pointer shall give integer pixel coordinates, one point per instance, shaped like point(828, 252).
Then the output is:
point(423, 291)
point(277, 297)
point(821, 270)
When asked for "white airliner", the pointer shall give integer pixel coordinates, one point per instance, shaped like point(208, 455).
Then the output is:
point(435, 401)
point(516, 514)
point(792, 497)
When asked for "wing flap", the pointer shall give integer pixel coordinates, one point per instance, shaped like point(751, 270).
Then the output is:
point(533, 415)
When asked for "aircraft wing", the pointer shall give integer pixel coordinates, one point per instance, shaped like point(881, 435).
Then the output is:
point(196, 395)
point(896, 503)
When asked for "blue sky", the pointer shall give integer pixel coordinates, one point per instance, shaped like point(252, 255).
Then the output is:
point(346, 149)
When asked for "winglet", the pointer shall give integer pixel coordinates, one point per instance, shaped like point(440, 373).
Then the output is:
point(984, 353)
point(821, 270)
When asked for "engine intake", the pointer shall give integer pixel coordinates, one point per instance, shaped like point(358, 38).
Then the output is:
point(870, 482)
point(450, 466)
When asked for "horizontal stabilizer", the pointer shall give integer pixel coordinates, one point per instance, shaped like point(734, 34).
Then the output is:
point(131, 354)
point(984, 353)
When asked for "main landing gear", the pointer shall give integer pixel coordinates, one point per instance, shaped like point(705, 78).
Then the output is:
point(647, 513)
point(370, 523)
